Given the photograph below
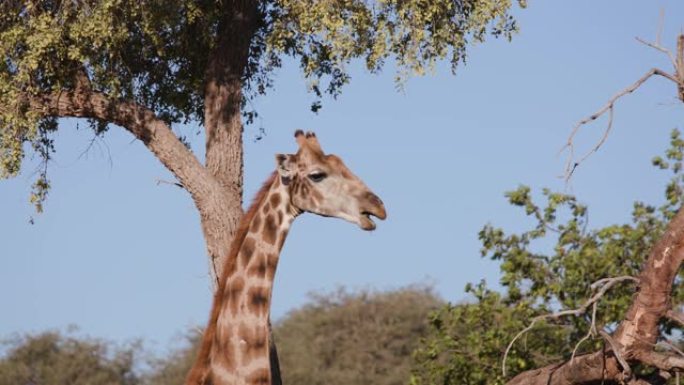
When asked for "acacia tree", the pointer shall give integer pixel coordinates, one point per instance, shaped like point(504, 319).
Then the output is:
point(600, 306)
point(631, 353)
point(146, 65)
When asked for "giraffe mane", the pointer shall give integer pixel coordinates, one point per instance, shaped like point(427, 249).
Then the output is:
point(243, 228)
point(230, 265)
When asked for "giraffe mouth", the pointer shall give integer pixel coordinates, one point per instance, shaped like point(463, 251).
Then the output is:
point(366, 222)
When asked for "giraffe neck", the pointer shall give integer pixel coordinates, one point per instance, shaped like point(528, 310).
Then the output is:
point(240, 348)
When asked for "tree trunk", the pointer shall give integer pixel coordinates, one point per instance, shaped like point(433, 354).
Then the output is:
point(221, 213)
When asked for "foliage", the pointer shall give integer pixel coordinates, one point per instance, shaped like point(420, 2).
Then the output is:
point(549, 267)
point(338, 338)
point(466, 341)
point(156, 52)
point(173, 368)
point(354, 338)
point(51, 358)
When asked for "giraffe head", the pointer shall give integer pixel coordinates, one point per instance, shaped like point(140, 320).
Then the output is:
point(323, 185)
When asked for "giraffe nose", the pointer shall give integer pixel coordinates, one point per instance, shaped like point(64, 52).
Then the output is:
point(374, 199)
point(377, 208)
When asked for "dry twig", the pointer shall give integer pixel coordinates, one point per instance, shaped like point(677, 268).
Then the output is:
point(605, 284)
point(571, 164)
point(677, 77)
point(626, 370)
point(590, 333)
point(162, 181)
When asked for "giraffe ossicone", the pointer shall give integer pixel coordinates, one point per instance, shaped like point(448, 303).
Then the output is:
point(235, 345)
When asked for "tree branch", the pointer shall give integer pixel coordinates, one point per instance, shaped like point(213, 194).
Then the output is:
point(662, 361)
point(589, 368)
point(626, 369)
point(138, 120)
point(652, 301)
point(571, 163)
point(636, 336)
point(605, 284)
point(660, 48)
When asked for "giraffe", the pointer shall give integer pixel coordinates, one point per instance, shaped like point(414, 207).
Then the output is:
point(235, 345)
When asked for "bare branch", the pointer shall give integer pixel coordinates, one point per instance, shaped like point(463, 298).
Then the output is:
point(626, 370)
point(598, 367)
point(140, 121)
point(590, 333)
point(660, 48)
point(605, 284)
point(162, 181)
point(662, 361)
point(571, 164)
point(661, 25)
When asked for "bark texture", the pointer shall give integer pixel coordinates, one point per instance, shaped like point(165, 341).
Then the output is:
point(223, 127)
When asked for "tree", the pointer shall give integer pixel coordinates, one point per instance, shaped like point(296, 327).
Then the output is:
point(173, 368)
point(581, 306)
point(354, 338)
point(591, 270)
point(147, 65)
point(52, 358)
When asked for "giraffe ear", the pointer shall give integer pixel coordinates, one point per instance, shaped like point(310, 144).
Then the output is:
point(285, 166)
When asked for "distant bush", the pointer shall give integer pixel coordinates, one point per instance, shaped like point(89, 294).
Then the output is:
point(172, 369)
point(338, 338)
point(51, 358)
point(364, 337)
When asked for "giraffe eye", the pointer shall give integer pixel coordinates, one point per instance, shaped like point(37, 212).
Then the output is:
point(317, 176)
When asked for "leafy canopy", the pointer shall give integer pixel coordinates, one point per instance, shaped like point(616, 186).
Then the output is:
point(156, 52)
point(549, 267)
point(357, 338)
point(57, 359)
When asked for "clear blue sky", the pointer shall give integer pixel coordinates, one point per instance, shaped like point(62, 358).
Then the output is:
point(123, 257)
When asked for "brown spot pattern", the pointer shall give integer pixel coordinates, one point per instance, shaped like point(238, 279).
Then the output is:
point(258, 300)
point(270, 230)
point(233, 292)
point(209, 380)
point(224, 353)
point(247, 250)
point(255, 339)
point(256, 224)
point(275, 200)
point(258, 266)
point(259, 377)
